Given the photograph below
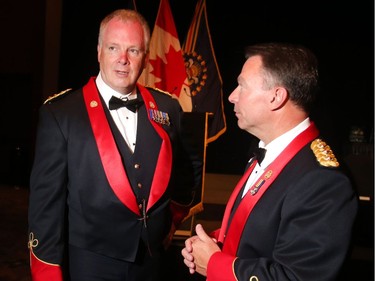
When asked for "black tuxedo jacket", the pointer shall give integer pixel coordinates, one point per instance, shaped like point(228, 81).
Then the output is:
point(300, 229)
point(71, 200)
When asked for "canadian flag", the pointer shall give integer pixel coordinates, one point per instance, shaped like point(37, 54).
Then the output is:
point(165, 69)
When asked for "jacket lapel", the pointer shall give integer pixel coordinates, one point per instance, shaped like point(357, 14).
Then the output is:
point(234, 231)
point(108, 151)
point(164, 163)
point(111, 158)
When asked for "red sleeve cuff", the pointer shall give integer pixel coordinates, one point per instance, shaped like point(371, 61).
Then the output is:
point(42, 271)
point(220, 267)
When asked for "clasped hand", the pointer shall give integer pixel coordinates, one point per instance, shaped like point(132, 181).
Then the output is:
point(198, 251)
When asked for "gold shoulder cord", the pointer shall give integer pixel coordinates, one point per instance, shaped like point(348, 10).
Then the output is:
point(324, 154)
point(159, 90)
point(56, 95)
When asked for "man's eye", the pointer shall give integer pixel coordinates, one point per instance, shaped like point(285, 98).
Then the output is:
point(134, 52)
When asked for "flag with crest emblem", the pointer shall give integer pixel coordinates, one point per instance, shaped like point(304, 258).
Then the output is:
point(204, 77)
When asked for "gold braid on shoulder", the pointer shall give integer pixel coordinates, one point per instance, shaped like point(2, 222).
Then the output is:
point(159, 90)
point(324, 154)
point(50, 98)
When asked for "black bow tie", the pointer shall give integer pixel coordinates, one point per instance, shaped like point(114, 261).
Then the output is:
point(259, 154)
point(133, 105)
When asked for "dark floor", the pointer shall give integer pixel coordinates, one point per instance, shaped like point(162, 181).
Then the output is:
point(14, 263)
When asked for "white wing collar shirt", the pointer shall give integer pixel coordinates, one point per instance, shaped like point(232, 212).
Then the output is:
point(274, 148)
point(125, 119)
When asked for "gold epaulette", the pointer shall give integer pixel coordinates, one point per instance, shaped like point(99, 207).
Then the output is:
point(159, 90)
point(324, 154)
point(56, 95)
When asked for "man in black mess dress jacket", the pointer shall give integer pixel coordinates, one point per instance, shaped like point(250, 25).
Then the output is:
point(97, 207)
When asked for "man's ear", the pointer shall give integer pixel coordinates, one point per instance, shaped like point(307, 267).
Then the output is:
point(279, 98)
point(98, 49)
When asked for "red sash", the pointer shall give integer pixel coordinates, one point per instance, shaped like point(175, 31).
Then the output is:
point(231, 239)
point(110, 156)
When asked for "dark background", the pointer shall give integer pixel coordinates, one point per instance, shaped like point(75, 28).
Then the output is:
point(341, 33)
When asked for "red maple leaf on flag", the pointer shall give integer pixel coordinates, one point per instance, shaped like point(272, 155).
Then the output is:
point(169, 69)
point(166, 67)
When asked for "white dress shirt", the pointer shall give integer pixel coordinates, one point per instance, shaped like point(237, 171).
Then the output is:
point(125, 119)
point(274, 148)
